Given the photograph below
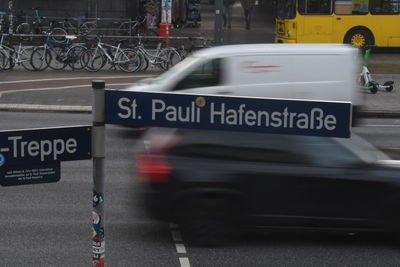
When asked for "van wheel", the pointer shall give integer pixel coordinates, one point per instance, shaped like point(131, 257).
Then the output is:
point(359, 38)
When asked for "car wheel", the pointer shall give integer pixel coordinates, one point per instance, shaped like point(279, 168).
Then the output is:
point(392, 220)
point(207, 223)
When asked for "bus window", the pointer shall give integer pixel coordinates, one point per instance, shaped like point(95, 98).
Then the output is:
point(310, 7)
point(286, 9)
point(385, 6)
point(349, 7)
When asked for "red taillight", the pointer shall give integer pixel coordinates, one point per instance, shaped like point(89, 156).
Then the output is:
point(152, 168)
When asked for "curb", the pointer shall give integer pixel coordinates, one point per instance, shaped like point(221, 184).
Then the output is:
point(379, 114)
point(44, 108)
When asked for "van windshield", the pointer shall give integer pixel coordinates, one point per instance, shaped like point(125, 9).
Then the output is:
point(176, 70)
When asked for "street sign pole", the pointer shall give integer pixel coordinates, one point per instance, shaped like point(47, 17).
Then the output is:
point(98, 153)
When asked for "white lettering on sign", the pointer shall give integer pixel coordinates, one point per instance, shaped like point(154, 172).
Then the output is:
point(43, 148)
point(189, 113)
point(128, 106)
point(316, 119)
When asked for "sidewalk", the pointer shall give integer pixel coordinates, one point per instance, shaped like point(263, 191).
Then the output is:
point(262, 26)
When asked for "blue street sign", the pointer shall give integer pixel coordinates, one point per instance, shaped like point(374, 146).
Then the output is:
point(23, 175)
point(23, 147)
point(229, 113)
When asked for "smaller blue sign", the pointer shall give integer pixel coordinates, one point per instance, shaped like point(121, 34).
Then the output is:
point(229, 113)
point(23, 175)
point(23, 147)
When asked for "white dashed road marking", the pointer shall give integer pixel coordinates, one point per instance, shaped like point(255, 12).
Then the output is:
point(180, 247)
point(184, 262)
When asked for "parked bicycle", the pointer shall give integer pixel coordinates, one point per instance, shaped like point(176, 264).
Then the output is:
point(37, 27)
point(57, 55)
point(96, 58)
point(81, 28)
point(10, 57)
point(162, 58)
point(136, 27)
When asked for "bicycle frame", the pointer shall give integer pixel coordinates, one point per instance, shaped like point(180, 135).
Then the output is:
point(101, 46)
point(10, 51)
point(15, 56)
point(152, 58)
point(50, 45)
point(81, 28)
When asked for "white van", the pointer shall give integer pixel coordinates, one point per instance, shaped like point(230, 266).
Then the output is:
point(294, 71)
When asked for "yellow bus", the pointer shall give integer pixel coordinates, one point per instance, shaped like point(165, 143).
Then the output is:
point(357, 22)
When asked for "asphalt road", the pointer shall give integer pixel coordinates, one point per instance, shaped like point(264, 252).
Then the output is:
point(49, 224)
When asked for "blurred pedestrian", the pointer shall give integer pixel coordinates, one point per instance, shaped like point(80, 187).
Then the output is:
point(227, 14)
point(247, 6)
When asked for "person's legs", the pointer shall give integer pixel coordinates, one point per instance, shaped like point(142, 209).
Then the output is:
point(229, 15)
point(224, 10)
point(247, 18)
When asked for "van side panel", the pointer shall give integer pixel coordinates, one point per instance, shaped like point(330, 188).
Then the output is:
point(329, 77)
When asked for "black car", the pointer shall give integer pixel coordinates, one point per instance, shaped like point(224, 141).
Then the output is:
point(213, 182)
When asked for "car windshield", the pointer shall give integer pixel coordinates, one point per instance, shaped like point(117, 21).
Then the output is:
point(364, 150)
point(286, 9)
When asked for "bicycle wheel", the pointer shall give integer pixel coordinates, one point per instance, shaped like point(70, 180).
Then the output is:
point(93, 59)
point(128, 60)
point(162, 60)
point(87, 27)
point(58, 58)
point(40, 58)
point(74, 55)
point(25, 58)
point(24, 28)
point(173, 57)
point(4, 60)
point(58, 34)
point(144, 62)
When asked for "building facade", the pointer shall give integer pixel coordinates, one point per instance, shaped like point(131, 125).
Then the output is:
point(75, 8)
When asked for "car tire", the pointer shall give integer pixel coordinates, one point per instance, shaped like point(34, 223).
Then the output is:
point(207, 223)
point(391, 218)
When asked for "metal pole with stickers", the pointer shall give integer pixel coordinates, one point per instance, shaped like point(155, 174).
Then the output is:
point(98, 139)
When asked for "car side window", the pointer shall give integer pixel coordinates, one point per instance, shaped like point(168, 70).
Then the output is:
point(334, 155)
point(205, 75)
point(239, 153)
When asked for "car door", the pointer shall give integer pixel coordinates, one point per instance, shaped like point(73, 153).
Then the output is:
point(311, 181)
point(341, 188)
